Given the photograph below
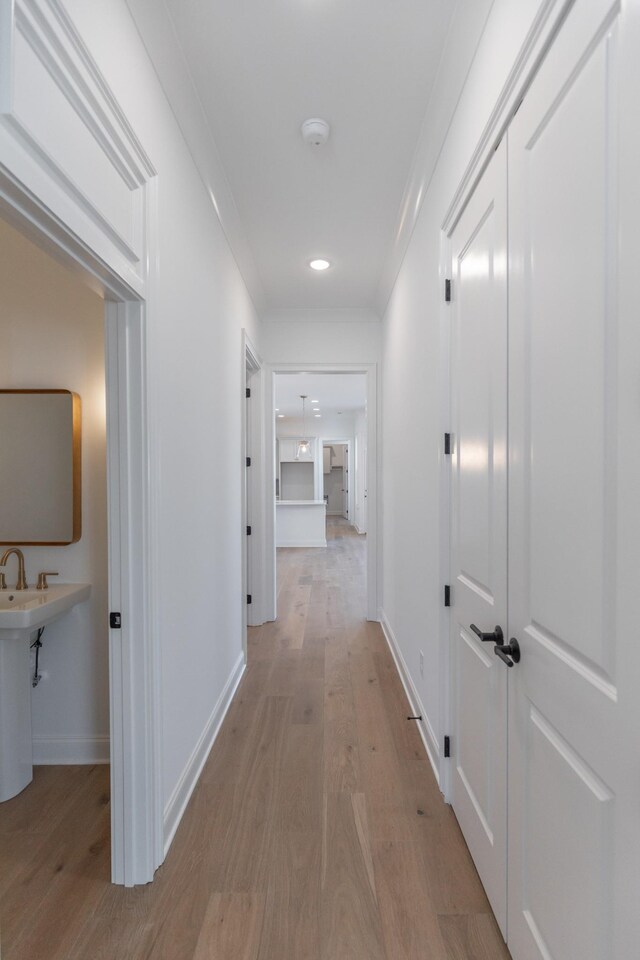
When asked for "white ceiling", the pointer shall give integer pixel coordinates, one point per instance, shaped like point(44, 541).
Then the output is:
point(335, 392)
point(368, 68)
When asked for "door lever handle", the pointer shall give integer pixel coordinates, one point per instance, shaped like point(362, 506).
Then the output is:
point(497, 636)
point(508, 650)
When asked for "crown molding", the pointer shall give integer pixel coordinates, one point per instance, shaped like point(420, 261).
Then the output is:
point(90, 169)
point(464, 35)
point(158, 35)
point(321, 315)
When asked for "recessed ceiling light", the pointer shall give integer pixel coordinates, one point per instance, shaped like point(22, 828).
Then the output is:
point(315, 401)
point(317, 415)
point(281, 416)
point(319, 264)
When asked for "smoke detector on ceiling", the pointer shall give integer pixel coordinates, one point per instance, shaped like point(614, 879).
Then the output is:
point(315, 131)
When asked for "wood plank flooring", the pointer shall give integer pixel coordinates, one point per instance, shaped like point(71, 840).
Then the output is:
point(316, 832)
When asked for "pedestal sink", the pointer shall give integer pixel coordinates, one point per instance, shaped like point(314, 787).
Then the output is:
point(22, 612)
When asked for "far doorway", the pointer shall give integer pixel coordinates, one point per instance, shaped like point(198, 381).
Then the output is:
point(335, 479)
point(321, 444)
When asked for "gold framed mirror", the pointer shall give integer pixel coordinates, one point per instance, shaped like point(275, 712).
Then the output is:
point(40, 467)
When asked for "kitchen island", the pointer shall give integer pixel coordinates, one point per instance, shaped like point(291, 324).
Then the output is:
point(301, 523)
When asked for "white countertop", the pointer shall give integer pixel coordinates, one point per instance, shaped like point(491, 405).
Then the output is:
point(300, 503)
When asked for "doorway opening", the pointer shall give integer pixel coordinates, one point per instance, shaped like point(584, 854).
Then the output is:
point(335, 474)
point(322, 436)
point(55, 696)
point(130, 699)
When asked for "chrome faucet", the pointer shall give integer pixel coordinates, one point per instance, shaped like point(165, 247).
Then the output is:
point(22, 579)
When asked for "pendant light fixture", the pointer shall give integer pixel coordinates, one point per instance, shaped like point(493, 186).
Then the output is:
point(304, 446)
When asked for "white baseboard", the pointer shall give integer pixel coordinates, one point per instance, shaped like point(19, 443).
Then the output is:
point(184, 788)
point(426, 730)
point(59, 751)
point(301, 543)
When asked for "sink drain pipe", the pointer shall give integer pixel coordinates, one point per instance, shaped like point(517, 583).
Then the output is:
point(37, 643)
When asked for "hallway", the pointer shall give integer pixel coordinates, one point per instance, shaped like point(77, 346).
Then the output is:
point(366, 860)
point(316, 832)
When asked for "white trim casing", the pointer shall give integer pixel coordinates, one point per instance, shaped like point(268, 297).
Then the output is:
point(152, 480)
point(444, 531)
point(133, 649)
point(40, 49)
point(186, 784)
point(253, 445)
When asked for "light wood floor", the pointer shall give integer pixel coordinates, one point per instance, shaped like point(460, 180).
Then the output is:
point(316, 832)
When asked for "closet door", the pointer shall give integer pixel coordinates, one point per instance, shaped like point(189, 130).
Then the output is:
point(479, 526)
point(574, 787)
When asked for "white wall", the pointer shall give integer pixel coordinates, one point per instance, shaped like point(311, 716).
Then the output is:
point(52, 334)
point(332, 425)
point(414, 381)
point(200, 306)
point(297, 481)
point(340, 336)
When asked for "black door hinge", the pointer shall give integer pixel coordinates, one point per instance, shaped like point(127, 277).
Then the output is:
point(248, 461)
point(248, 598)
point(447, 443)
point(447, 746)
point(447, 291)
point(248, 530)
point(447, 595)
point(248, 392)
point(115, 621)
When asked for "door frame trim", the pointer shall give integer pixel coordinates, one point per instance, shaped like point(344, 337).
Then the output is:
point(445, 718)
point(537, 41)
point(252, 445)
point(137, 847)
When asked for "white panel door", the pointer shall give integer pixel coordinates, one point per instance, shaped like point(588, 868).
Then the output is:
point(574, 787)
point(479, 526)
